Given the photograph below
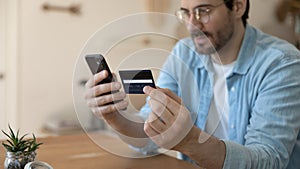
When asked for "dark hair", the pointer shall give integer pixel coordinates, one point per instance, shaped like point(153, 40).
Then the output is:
point(229, 5)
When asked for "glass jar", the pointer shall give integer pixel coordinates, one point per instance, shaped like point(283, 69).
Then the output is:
point(17, 160)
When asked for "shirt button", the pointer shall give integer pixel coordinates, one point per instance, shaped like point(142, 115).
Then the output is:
point(232, 126)
point(232, 89)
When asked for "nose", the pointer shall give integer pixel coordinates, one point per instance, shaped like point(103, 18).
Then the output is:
point(194, 24)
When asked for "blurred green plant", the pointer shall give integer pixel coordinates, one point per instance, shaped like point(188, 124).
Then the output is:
point(20, 145)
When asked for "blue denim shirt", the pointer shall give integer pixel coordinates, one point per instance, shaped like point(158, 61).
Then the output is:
point(263, 95)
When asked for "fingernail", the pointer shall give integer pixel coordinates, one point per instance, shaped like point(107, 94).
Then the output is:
point(103, 73)
point(146, 89)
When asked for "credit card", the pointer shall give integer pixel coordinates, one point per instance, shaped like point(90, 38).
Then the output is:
point(135, 80)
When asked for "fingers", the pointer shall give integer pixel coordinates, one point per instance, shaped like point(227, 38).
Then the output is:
point(100, 97)
point(96, 79)
point(169, 122)
point(105, 99)
point(160, 119)
point(165, 97)
point(156, 123)
point(171, 95)
point(149, 130)
point(103, 110)
point(102, 89)
point(161, 111)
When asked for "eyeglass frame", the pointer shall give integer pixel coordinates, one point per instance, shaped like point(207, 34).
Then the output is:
point(196, 13)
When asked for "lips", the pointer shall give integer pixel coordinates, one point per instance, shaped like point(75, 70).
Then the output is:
point(200, 39)
point(198, 33)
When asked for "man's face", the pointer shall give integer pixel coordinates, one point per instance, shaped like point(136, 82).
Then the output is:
point(215, 34)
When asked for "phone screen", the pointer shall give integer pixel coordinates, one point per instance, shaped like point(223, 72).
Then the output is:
point(96, 64)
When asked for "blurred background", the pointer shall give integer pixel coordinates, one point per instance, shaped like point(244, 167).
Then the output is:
point(40, 41)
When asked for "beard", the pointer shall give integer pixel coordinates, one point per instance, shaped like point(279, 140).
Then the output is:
point(210, 42)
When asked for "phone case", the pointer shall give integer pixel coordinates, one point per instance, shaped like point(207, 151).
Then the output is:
point(97, 63)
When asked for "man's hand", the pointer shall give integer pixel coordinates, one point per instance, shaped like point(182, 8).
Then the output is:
point(169, 122)
point(170, 126)
point(98, 102)
point(128, 129)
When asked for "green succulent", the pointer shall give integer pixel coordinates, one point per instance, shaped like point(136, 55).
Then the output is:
point(17, 144)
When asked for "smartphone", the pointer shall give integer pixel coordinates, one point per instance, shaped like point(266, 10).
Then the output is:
point(97, 63)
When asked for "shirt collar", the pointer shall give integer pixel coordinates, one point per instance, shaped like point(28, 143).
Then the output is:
point(245, 56)
point(246, 53)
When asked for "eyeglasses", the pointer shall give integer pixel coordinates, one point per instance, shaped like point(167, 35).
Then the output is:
point(201, 13)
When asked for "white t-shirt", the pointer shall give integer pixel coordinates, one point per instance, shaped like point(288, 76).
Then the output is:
point(217, 120)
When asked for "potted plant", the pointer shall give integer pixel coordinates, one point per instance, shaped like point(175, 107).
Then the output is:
point(20, 151)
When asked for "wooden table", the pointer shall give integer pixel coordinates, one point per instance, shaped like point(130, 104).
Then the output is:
point(79, 152)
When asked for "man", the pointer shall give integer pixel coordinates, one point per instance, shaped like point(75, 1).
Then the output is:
point(241, 84)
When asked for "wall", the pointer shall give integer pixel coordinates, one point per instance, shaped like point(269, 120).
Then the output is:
point(49, 44)
point(262, 16)
point(2, 66)
point(262, 12)
point(9, 51)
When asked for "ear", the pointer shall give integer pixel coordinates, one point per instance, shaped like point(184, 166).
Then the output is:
point(239, 7)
